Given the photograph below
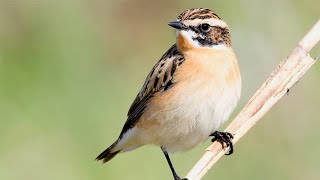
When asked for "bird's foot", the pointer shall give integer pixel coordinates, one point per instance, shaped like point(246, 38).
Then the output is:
point(176, 177)
point(223, 137)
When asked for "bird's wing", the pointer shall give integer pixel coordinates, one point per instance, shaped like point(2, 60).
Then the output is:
point(159, 79)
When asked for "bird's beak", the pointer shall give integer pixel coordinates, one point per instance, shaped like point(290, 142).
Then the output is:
point(177, 25)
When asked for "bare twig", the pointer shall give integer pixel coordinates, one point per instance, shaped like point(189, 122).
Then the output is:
point(277, 85)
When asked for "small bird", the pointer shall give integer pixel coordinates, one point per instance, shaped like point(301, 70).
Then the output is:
point(189, 92)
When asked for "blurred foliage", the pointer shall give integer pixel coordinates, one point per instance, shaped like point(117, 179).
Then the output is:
point(70, 69)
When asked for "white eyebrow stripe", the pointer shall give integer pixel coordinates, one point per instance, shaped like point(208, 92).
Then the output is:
point(211, 22)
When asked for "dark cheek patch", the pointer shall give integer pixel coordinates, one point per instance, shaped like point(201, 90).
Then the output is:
point(216, 36)
point(205, 42)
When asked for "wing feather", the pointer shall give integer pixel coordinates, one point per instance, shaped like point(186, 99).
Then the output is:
point(159, 79)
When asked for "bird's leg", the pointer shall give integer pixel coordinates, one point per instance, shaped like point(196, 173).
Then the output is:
point(175, 175)
point(223, 137)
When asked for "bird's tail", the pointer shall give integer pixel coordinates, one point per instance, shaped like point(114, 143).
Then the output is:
point(108, 154)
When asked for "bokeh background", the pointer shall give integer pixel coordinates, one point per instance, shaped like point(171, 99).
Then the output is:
point(69, 70)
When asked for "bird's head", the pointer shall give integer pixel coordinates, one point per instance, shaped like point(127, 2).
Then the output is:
point(201, 28)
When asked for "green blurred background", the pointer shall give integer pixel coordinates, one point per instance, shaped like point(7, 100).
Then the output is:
point(69, 70)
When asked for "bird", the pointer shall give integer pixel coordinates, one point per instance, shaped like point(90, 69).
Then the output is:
point(189, 93)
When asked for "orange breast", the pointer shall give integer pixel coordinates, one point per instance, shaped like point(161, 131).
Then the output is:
point(183, 44)
point(218, 65)
point(203, 68)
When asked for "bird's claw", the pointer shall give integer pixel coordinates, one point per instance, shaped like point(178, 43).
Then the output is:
point(223, 137)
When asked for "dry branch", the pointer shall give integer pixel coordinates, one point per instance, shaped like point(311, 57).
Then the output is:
point(272, 90)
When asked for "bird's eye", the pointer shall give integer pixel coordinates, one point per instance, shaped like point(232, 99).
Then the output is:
point(204, 27)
